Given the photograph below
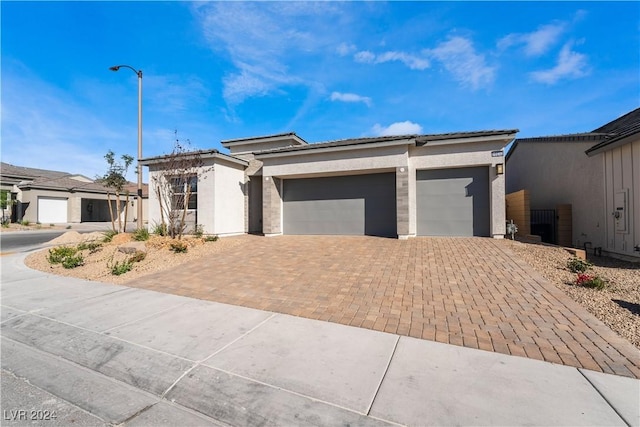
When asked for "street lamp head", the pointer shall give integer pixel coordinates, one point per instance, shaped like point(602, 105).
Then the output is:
point(114, 68)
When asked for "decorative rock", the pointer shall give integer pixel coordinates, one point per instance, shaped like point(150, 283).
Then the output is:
point(133, 247)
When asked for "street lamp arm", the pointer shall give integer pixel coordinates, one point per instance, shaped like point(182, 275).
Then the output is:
point(117, 67)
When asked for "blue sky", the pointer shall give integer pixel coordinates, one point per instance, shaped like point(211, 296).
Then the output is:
point(329, 70)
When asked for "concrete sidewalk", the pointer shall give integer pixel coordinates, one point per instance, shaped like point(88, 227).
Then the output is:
point(119, 355)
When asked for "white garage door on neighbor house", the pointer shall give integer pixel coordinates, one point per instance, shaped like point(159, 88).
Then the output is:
point(52, 210)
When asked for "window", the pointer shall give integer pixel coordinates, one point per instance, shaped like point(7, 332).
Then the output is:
point(183, 188)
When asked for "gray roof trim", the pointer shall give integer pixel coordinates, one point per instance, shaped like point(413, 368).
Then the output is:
point(551, 139)
point(363, 143)
point(292, 136)
point(615, 140)
point(204, 154)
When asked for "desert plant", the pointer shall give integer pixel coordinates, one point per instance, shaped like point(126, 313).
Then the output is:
point(140, 235)
point(73, 261)
point(108, 235)
point(68, 227)
point(59, 254)
point(137, 257)
point(115, 179)
point(199, 231)
point(159, 229)
point(211, 239)
point(120, 267)
point(577, 265)
point(91, 246)
point(178, 247)
point(5, 222)
point(25, 222)
point(591, 281)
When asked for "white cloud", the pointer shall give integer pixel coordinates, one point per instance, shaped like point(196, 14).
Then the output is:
point(350, 97)
point(397, 128)
point(537, 42)
point(261, 39)
point(570, 65)
point(345, 49)
point(411, 61)
point(459, 57)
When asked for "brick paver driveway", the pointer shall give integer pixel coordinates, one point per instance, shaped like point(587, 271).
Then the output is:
point(472, 292)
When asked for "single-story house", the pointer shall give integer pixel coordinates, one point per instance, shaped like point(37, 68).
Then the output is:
point(55, 197)
point(394, 186)
point(597, 173)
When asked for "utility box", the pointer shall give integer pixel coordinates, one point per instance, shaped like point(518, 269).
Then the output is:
point(621, 211)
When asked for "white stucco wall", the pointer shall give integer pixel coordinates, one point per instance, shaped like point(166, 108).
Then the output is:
point(558, 173)
point(622, 173)
point(229, 184)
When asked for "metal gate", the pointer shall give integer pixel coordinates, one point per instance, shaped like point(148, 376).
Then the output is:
point(543, 224)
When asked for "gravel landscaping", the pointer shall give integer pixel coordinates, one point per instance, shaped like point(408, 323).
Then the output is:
point(618, 305)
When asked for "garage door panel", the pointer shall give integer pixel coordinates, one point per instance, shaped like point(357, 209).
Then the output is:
point(349, 205)
point(453, 202)
point(52, 210)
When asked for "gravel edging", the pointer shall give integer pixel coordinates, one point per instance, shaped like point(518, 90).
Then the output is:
point(617, 306)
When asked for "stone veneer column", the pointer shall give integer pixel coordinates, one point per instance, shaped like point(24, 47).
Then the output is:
point(402, 202)
point(271, 206)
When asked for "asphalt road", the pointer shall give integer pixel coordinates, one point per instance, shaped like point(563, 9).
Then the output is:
point(13, 242)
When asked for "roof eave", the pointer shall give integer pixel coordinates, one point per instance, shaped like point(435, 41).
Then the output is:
point(333, 148)
point(203, 155)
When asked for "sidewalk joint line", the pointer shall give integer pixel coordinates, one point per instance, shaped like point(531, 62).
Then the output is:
point(603, 397)
point(384, 374)
point(200, 362)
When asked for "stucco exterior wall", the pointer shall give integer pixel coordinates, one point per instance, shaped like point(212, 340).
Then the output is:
point(561, 173)
point(29, 202)
point(622, 174)
point(229, 203)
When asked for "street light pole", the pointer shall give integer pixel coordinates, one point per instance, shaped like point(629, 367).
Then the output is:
point(139, 166)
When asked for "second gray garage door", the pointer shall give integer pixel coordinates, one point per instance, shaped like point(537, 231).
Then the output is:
point(453, 202)
point(356, 205)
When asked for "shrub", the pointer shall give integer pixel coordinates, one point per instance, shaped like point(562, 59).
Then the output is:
point(91, 246)
point(137, 257)
point(108, 235)
point(25, 222)
point(178, 247)
point(211, 239)
point(577, 265)
point(58, 255)
point(140, 235)
point(68, 227)
point(73, 261)
point(199, 231)
point(6, 222)
point(160, 229)
point(591, 281)
point(120, 268)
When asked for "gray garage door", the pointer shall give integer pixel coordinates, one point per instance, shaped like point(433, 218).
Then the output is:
point(357, 204)
point(453, 202)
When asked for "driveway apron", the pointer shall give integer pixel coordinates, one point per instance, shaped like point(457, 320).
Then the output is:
point(471, 292)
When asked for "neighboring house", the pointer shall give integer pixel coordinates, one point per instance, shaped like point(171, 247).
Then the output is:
point(620, 157)
point(393, 186)
point(54, 197)
point(597, 173)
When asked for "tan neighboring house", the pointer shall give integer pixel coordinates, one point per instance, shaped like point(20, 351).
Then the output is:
point(55, 197)
point(393, 186)
point(596, 173)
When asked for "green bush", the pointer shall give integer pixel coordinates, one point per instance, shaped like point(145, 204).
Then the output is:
point(178, 247)
point(91, 246)
point(137, 257)
point(25, 222)
point(6, 222)
point(159, 229)
point(577, 265)
point(211, 239)
point(73, 261)
point(120, 268)
point(590, 281)
point(199, 231)
point(140, 235)
point(108, 235)
point(58, 255)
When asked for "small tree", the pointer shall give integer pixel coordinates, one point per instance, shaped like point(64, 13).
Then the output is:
point(175, 186)
point(6, 202)
point(115, 180)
